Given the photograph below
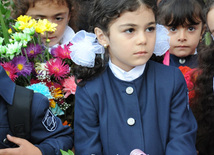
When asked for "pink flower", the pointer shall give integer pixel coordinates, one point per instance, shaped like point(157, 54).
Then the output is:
point(10, 69)
point(60, 52)
point(57, 68)
point(69, 86)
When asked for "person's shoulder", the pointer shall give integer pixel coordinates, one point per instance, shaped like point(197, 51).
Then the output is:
point(162, 67)
point(164, 72)
point(39, 101)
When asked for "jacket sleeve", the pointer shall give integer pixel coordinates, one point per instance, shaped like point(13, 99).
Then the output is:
point(183, 126)
point(47, 131)
point(86, 125)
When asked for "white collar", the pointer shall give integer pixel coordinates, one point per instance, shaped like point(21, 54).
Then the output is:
point(67, 37)
point(127, 76)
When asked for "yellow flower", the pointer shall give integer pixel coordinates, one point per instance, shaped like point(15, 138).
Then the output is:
point(24, 18)
point(45, 26)
point(52, 103)
point(57, 93)
point(10, 31)
point(24, 22)
point(31, 23)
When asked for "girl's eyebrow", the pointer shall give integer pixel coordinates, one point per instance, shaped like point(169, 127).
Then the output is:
point(134, 25)
point(43, 16)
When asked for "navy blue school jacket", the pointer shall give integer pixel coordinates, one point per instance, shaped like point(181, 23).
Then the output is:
point(47, 131)
point(151, 113)
point(190, 61)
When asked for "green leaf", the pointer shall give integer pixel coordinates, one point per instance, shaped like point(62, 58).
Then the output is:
point(7, 15)
point(4, 28)
point(66, 153)
point(207, 38)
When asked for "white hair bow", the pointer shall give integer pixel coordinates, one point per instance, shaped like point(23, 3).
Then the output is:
point(84, 49)
point(162, 40)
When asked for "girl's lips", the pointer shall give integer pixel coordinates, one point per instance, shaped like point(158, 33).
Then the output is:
point(51, 38)
point(182, 46)
point(140, 53)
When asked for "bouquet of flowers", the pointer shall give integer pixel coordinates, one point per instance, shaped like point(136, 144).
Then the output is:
point(31, 63)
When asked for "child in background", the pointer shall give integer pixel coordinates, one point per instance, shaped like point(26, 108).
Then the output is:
point(203, 100)
point(185, 22)
point(56, 11)
point(130, 102)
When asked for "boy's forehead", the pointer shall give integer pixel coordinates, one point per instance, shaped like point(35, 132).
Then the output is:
point(47, 2)
point(47, 9)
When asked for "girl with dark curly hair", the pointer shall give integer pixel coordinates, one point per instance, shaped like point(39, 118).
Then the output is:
point(130, 102)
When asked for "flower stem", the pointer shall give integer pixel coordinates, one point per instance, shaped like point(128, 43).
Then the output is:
point(26, 55)
point(47, 47)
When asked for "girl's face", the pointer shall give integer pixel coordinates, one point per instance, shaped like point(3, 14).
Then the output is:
point(210, 20)
point(55, 13)
point(131, 38)
point(184, 40)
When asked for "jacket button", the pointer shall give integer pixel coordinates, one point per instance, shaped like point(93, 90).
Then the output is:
point(5, 140)
point(129, 90)
point(131, 121)
point(182, 61)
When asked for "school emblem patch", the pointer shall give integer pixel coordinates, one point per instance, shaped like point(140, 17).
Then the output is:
point(49, 121)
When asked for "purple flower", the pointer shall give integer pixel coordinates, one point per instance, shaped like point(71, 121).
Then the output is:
point(32, 50)
point(24, 68)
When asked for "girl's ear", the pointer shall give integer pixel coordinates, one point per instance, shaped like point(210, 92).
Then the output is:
point(101, 37)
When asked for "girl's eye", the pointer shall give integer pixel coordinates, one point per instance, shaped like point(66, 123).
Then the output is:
point(59, 18)
point(173, 29)
point(130, 30)
point(37, 18)
point(191, 28)
point(150, 29)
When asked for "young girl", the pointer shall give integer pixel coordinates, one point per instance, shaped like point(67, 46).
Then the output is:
point(185, 22)
point(130, 103)
point(56, 11)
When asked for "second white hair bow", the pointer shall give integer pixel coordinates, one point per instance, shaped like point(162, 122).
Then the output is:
point(84, 49)
point(162, 40)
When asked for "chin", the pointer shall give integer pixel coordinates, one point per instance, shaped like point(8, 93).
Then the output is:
point(182, 54)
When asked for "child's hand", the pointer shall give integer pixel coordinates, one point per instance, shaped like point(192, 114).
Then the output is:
point(25, 147)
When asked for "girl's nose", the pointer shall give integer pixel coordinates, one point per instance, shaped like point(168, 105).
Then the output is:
point(182, 36)
point(141, 39)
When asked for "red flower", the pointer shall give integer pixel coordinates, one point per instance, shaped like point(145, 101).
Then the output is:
point(190, 77)
point(61, 52)
point(58, 68)
point(184, 69)
point(10, 69)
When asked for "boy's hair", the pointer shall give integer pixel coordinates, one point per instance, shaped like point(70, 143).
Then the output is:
point(22, 6)
point(104, 12)
point(181, 12)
